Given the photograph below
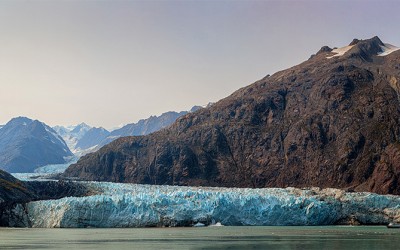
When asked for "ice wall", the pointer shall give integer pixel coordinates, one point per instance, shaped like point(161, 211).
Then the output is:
point(130, 205)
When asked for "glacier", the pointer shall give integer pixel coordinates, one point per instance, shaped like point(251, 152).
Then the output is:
point(134, 205)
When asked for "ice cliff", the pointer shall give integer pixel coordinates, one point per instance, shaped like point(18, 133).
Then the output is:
point(130, 205)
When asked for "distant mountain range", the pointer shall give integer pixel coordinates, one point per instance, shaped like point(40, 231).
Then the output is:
point(147, 126)
point(331, 121)
point(83, 139)
point(72, 134)
point(26, 144)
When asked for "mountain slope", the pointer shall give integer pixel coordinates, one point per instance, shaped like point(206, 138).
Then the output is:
point(332, 121)
point(26, 144)
point(92, 138)
point(80, 130)
point(72, 135)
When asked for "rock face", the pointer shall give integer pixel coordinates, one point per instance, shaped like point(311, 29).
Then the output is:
point(12, 190)
point(332, 121)
point(26, 144)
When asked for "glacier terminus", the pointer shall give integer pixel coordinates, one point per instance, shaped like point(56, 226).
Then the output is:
point(134, 205)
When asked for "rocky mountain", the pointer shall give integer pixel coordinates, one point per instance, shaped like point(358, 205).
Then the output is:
point(26, 144)
point(331, 121)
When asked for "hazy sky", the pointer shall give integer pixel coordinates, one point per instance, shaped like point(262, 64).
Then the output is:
point(113, 62)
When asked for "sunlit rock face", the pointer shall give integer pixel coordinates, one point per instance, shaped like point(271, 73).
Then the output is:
point(130, 205)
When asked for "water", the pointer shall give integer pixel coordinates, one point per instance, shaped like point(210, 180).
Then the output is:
point(331, 237)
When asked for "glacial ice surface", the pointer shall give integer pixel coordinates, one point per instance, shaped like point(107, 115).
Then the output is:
point(46, 172)
point(132, 205)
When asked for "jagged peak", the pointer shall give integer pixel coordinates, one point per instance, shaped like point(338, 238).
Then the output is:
point(324, 49)
point(364, 49)
point(354, 42)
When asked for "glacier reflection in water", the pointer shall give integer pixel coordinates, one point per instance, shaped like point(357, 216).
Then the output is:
point(132, 205)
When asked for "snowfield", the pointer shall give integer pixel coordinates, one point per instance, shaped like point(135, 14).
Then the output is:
point(131, 205)
point(340, 51)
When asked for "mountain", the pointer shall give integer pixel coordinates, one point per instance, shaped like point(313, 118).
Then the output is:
point(26, 144)
point(80, 130)
point(92, 138)
point(72, 135)
point(61, 131)
point(331, 121)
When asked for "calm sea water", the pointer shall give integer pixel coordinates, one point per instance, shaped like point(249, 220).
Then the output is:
point(336, 237)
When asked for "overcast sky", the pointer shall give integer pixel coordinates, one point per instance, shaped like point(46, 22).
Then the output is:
point(114, 62)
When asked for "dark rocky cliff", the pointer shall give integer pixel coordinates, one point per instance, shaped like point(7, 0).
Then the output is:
point(14, 194)
point(328, 122)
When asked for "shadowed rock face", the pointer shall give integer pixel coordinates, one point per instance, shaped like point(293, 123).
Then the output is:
point(326, 122)
point(12, 190)
point(14, 194)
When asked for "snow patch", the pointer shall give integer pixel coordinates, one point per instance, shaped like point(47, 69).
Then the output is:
point(52, 132)
point(387, 49)
point(81, 152)
point(340, 51)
